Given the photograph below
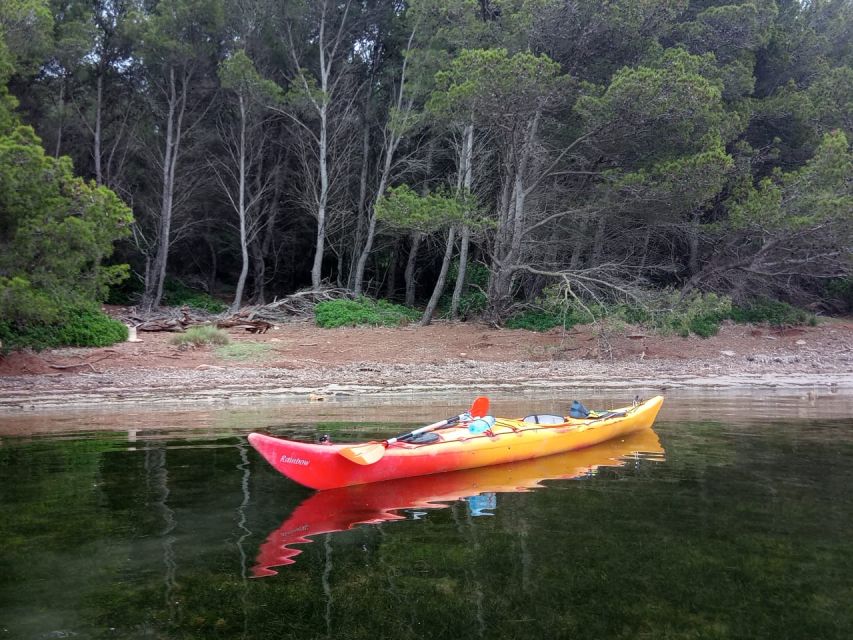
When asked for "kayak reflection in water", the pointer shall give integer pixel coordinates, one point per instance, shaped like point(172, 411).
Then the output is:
point(482, 504)
point(344, 508)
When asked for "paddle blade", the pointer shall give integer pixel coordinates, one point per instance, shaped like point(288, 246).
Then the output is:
point(480, 407)
point(364, 453)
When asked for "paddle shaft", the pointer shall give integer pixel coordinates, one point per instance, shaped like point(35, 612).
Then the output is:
point(373, 452)
point(429, 427)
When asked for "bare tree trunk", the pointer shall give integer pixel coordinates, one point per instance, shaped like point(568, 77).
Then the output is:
point(693, 261)
point(177, 106)
point(500, 284)
point(393, 136)
point(417, 236)
point(263, 247)
point(466, 170)
point(598, 241)
point(577, 249)
point(442, 278)
point(391, 278)
point(96, 151)
point(362, 198)
point(316, 269)
point(409, 275)
point(259, 276)
point(646, 241)
point(214, 263)
point(57, 152)
point(241, 210)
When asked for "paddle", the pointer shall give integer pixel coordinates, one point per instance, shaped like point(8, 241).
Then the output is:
point(371, 452)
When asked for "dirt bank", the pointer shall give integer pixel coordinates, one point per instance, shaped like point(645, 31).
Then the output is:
point(300, 359)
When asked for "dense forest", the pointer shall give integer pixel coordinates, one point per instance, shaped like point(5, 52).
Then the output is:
point(464, 155)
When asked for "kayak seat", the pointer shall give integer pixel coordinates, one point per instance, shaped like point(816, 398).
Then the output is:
point(544, 418)
point(422, 438)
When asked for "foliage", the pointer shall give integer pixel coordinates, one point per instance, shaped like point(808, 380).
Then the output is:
point(668, 312)
point(201, 335)
point(73, 326)
point(819, 193)
point(496, 86)
point(55, 228)
point(839, 293)
point(697, 313)
point(126, 293)
point(772, 312)
point(244, 351)
point(363, 311)
point(177, 294)
point(473, 299)
point(402, 208)
point(237, 73)
point(542, 320)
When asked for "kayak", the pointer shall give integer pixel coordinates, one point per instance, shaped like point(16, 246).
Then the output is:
point(369, 504)
point(324, 465)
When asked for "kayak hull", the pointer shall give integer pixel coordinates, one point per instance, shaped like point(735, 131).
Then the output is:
point(321, 466)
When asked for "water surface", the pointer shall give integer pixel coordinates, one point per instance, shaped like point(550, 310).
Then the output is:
point(167, 525)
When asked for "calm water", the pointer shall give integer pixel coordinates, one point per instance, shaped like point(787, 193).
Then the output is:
point(739, 527)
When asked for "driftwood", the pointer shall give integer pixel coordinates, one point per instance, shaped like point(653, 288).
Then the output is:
point(255, 319)
point(166, 319)
point(162, 325)
point(252, 326)
point(299, 305)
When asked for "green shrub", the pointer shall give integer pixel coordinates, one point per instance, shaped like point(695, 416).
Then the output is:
point(634, 314)
point(839, 292)
point(177, 294)
point(363, 311)
point(472, 303)
point(772, 312)
point(244, 351)
point(704, 326)
point(126, 293)
point(79, 326)
point(198, 336)
point(473, 300)
point(23, 305)
point(697, 313)
point(667, 312)
point(542, 320)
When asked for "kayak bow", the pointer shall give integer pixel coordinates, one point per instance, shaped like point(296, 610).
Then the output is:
point(320, 466)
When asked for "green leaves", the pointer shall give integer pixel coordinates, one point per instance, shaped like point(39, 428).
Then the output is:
point(402, 208)
point(238, 74)
point(497, 88)
point(55, 230)
point(819, 192)
point(24, 35)
point(652, 113)
point(178, 31)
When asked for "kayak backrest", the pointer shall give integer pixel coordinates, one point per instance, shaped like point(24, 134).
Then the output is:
point(421, 438)
point(544, 418)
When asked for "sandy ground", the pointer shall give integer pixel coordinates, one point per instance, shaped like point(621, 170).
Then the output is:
point(301, 359)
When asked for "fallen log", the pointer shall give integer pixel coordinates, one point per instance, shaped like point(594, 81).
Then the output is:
point(252, 326)
point(162, 325)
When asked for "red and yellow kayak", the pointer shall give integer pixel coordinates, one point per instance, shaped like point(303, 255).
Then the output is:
point(367, 504)
point(321, 466)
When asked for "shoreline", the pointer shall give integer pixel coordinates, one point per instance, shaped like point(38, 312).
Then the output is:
point(303, 363)
point(88, 391)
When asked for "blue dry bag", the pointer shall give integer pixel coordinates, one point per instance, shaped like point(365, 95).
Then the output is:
point(482, 424)
point(578, 410)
